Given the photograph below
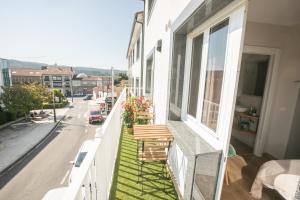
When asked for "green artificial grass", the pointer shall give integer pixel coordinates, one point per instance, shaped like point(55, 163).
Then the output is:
point(125, 183)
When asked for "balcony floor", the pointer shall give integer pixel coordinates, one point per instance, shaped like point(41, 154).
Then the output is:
point(125, 184)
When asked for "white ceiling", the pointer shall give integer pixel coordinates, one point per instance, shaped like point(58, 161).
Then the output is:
point(279, 12)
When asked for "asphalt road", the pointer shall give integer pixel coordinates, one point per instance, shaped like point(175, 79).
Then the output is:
point(49, 167)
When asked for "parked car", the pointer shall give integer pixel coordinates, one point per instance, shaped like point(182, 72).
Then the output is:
point(88, 97)
point(95, 116)
point(56, 193)
point(77, 163)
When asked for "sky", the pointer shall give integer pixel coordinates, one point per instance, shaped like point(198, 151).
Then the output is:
point(90, 33)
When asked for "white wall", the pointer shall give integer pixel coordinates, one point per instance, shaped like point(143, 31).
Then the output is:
point(288, 41)
point(158, 28)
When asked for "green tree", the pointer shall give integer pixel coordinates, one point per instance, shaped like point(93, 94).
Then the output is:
point(23, 98)
point(59, 94)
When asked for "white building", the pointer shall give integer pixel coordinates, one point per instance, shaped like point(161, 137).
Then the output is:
point(135, 54)
point(205, 63)
point(59, 78)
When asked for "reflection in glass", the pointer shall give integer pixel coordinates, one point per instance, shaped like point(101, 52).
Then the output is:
point(214, 74)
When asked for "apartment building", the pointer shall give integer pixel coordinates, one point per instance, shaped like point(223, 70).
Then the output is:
point(83, 84)
point(21, 76)
point(135, 54)
point(221, 73)
point(58, 78)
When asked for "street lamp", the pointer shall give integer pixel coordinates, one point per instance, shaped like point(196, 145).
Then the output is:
point(54, 111)
point(112, 87)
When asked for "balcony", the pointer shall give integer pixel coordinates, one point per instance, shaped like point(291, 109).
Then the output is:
point(111, 170)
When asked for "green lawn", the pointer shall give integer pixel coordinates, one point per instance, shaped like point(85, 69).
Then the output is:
point(125, 184)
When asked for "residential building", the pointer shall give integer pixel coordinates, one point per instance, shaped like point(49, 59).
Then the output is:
point(83, 84)
point(58, 78)
point(135, 54)
point(205, 64)
point(21, 76)
point(4, 73)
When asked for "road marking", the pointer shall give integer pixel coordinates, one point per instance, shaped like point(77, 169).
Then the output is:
point(64, 178)
point(85, 130)
point(78, 116)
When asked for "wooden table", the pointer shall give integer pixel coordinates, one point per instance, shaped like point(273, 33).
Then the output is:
point(151, 132)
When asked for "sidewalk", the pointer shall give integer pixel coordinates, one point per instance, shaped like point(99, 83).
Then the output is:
point(15, 142)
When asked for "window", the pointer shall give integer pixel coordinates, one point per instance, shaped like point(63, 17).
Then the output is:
point(80, 158)
point(138, 49)
point(56, 78)
point(177, 77)
point(46, 78)
point(57, 84)
point(149, 75)
point(195, 75)
point(214, 74)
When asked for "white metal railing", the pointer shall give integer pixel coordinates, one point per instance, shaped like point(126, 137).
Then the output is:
point(95, 177)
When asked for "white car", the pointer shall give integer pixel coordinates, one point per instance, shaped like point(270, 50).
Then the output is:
point(55, 194)
point(86, 145)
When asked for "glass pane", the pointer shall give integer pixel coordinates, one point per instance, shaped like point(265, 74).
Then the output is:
point(206, 175)
point(149, 76)
point(195, 75)
point(177, 76)
point(214, 74)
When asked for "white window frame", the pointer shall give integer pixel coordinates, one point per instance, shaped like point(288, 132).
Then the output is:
point(215, 138)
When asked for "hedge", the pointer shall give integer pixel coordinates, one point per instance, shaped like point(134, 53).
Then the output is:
point(57, 105)
point(7, 117)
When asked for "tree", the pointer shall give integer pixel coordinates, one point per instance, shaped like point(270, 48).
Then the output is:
point(59, 94)
point(23, 98)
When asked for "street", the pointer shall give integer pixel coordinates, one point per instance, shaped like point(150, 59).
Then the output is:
point(50, 166)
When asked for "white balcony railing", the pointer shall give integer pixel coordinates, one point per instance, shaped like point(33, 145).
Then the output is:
point(96, 174)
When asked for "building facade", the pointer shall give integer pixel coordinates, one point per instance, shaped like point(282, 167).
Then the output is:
point(21, 76)
point(207, 65)
point(5, 79)
point(59, 78)
point(84, 85)
point(135, 54)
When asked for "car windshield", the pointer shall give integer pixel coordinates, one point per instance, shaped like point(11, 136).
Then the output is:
point(95, 112)
point(80, 158)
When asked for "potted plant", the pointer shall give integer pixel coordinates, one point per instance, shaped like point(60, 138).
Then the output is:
point(128, 114)
point(131, 107)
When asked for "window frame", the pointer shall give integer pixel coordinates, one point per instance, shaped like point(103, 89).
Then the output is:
point(195, 123)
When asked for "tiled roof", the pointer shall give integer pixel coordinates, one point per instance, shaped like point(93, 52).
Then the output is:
point(26, 72)
point(92, 78)
point(57, 70)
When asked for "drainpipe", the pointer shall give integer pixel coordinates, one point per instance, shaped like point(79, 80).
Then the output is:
point(142, 49)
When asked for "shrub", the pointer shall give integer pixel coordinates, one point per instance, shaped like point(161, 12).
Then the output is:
point(57, 105)
point(3, 119)
point(10, 116)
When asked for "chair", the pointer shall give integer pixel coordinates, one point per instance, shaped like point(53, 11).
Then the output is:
point(144, 117)
point(153, 151)
point(231, 154)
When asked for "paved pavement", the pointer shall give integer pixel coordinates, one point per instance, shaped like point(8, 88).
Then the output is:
point(15, 141)
point(49, 167)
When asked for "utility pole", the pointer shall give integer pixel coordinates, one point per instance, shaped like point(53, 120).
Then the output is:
point(71, 87)
point(54, 111)
point(112, 87)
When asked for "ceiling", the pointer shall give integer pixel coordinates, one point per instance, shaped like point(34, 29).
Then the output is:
point(278, 12)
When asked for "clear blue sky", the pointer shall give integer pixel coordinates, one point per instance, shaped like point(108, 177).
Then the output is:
point(92, 33)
